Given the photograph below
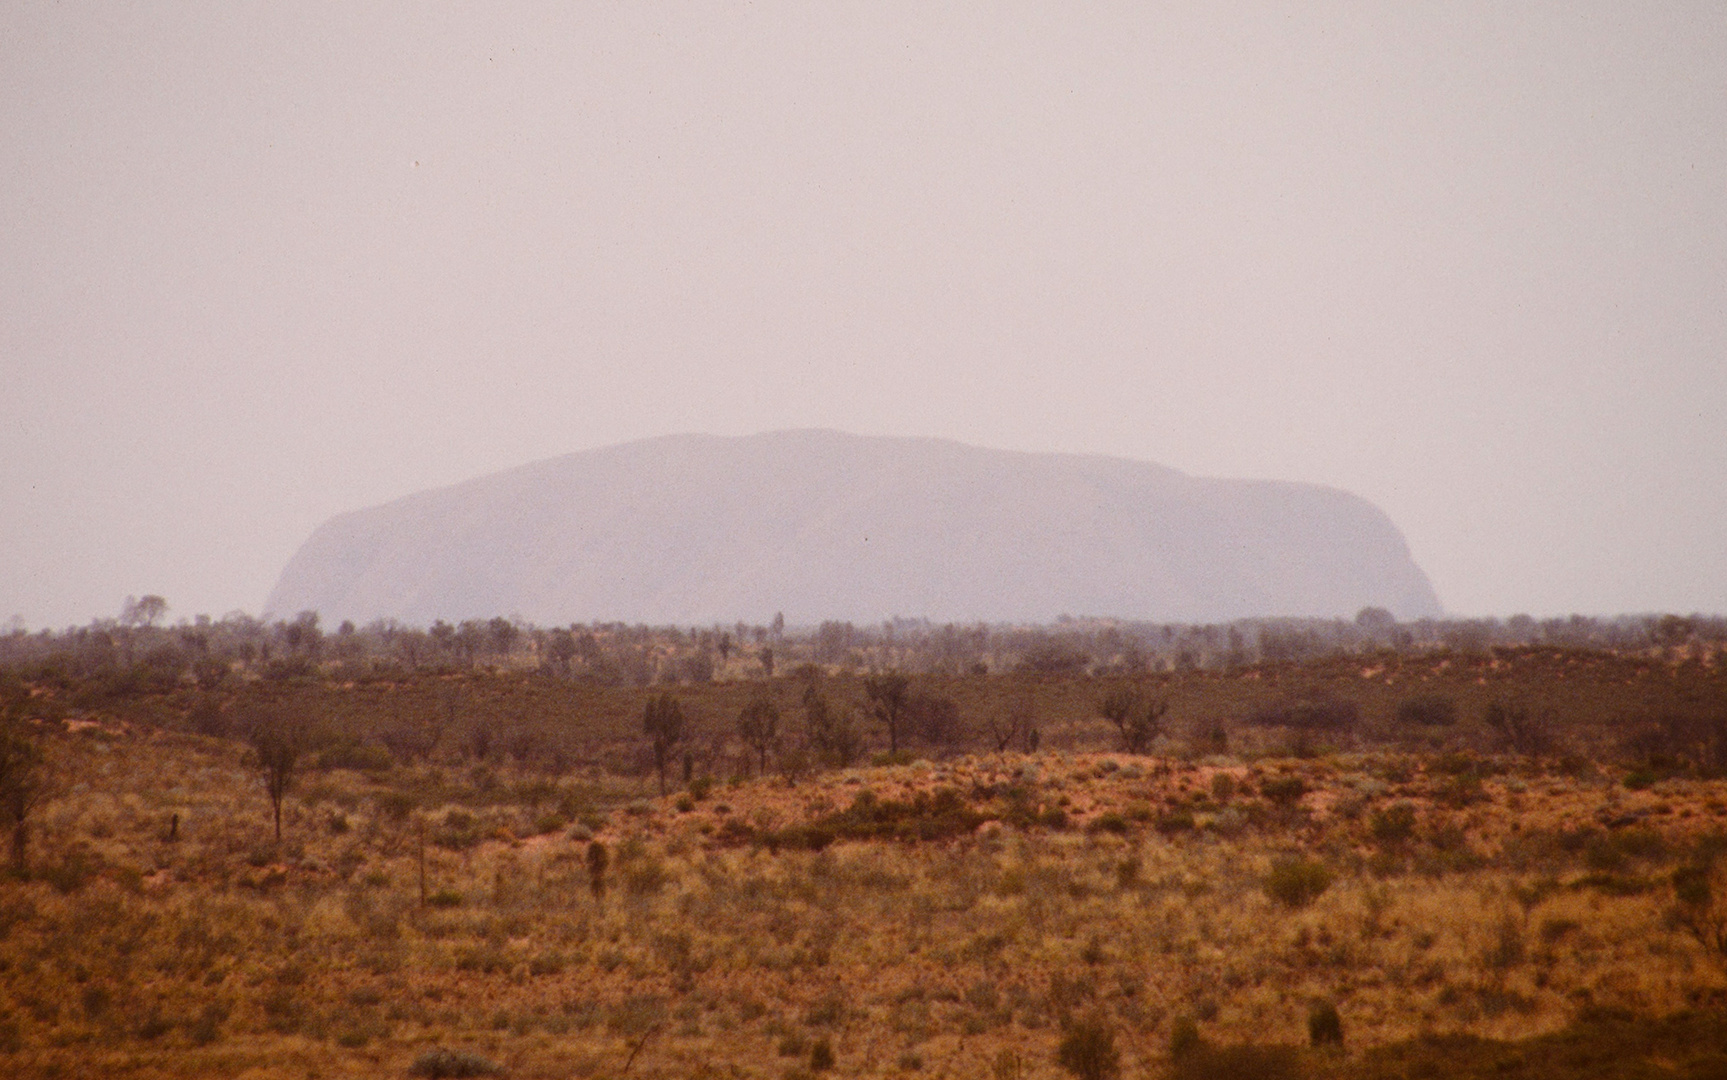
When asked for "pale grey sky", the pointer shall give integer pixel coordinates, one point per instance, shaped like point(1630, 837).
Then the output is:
point(262, 263)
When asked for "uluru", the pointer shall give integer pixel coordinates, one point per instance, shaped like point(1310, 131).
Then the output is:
point(818, 525)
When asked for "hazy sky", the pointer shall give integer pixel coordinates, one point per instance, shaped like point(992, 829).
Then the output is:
point(262, 263)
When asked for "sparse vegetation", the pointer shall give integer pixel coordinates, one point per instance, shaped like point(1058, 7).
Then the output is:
point(529, 902)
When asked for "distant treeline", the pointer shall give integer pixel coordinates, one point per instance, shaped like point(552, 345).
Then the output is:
point(139, 652)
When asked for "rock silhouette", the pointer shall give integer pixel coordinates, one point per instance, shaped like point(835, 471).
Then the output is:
point(698, 529)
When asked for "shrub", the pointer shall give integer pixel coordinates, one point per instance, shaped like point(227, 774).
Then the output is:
point(1393, 825)
point(1284, 791)
point(1088, 1051)
point(1127, 872)
point(1320, 714)
point(1109, 821)
point(1175, 821)
point(1184, 1037)
point(1519, 729)
point(1296, 882)
point(1239, 1063)
point(207, 1027)
point(439, 1063)
point(1507, 948)
point(1427, 710)
point(1700, 909)
point(821, 1055)
point(927, 816)
point(1324, 1026)
point(356, 755)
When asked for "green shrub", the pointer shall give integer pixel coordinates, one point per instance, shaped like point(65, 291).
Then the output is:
point(1296, 882)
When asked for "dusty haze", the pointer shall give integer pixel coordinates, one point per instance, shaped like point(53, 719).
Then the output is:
point(261, 265)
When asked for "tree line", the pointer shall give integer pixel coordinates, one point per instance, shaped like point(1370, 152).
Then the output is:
point(140, 652)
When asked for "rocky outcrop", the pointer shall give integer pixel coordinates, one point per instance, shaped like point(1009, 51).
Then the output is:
point(696, 529)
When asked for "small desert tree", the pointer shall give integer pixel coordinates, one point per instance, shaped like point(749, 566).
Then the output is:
point(759, 727)
point(278, 741)
point(1136, 720)
point(1018, 722)
point(1519, 729)
point(142, 611)
point(889, 696)
point(831, 733)
point(663, 724)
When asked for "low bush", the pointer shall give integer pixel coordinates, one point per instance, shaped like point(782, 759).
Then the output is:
point(1427, 710)
point(927, 816)
point(1296, 882)
point(1239, 1063)
point(1393, 825)
point(1284, 791)
point(440, 1063)
point(1324, 1025)
point(1088, 1051)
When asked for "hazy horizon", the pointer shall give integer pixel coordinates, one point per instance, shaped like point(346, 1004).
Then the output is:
point(262, 266)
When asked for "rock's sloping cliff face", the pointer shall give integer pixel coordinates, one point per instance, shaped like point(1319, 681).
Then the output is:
point(695, 529)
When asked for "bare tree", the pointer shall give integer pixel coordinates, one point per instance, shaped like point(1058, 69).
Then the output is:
point(1137, 720)
point(1519, 729)
point(759, 727)
point(889, 693)
point(278, 742)
point(1003, 731)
